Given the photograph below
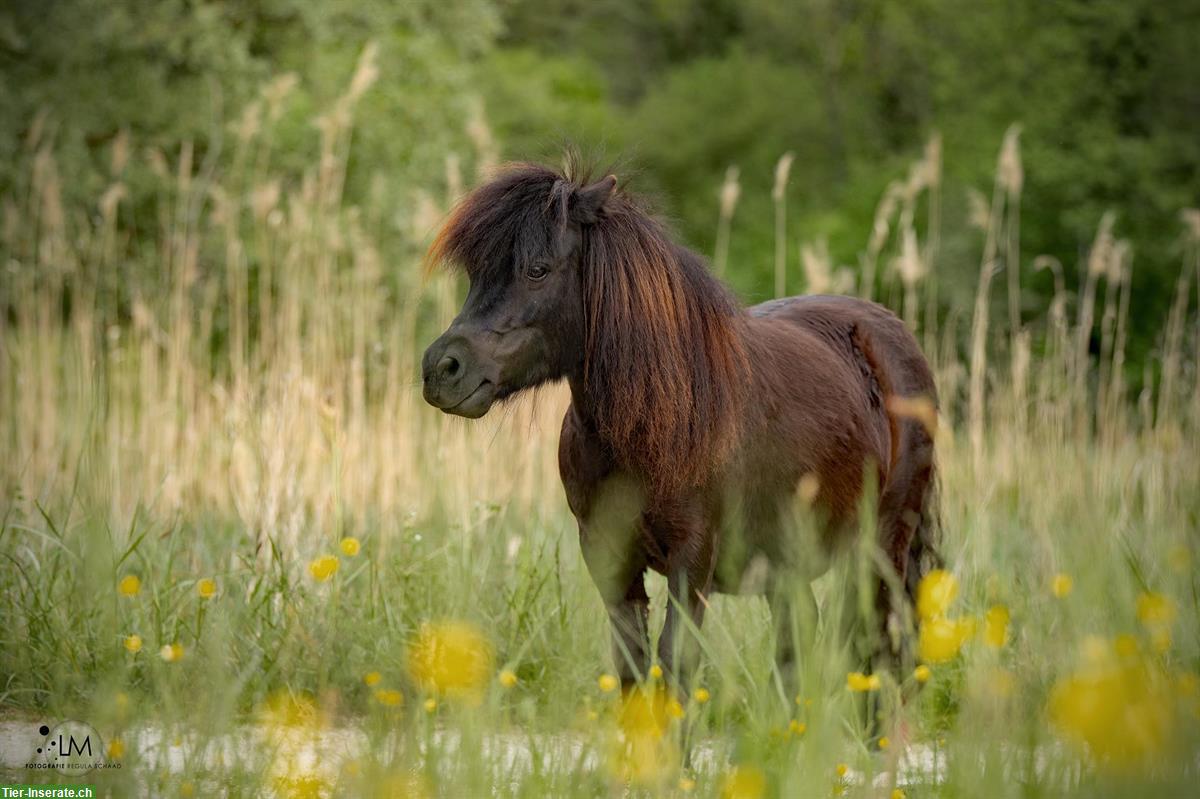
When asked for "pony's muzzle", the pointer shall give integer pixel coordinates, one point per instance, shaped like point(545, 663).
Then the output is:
point(453, 380)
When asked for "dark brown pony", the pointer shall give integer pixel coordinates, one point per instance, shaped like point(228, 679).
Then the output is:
point(698, 432)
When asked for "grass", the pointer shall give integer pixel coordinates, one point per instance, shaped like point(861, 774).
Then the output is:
point(234, 404)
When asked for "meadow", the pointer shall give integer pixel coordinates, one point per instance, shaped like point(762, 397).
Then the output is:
point(238, 544)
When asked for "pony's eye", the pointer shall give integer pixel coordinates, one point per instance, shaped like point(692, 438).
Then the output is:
point(537, 272)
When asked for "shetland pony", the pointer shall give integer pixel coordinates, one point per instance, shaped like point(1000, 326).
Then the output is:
point(699, 432)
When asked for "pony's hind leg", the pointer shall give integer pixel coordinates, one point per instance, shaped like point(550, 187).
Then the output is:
point(908, 528)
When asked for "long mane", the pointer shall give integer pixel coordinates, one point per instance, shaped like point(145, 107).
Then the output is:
point(664, 363)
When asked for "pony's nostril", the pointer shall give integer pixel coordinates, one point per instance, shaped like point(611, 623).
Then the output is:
point(448, 366)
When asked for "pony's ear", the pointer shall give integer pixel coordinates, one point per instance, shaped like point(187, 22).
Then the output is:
point(587, 205)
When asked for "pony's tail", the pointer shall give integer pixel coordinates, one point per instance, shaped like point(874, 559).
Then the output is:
point(924, 551)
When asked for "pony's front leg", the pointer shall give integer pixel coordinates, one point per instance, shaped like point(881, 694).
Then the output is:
point(689, 579)
point(618, 569)
point(631, 641)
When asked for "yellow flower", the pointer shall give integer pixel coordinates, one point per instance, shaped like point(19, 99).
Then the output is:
point(187, 790)
point(744, 782)
point(1061, 585)
point(675, 709)
point(133, 643)
point(645, 712)
point(171, 653)
point(372, 678)
point(206, 588)
point(922, 673)
point(935, 593)
point(1160, 639)
point(644, 758)
point(389, 697)
point(701, 696)
point(452, 658)
point(796, 727)
point(323, 567)
point(284, 709)
point(430, 705)
point(350, 546)
point(897, 793)
point(607, 683)
point(116, 749)
point(1125, 645)
point(687, 784)
point(841, 770)
point(129, 585)
point(1155, 610)
point(1121, 709)
point(857, 681)
point(305, 786)
point(940, 639)
point(507, 678)
point(884, 742)
point(656, 672)
point(995, 626)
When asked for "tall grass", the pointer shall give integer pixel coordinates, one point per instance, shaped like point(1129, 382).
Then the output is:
point(239, 397)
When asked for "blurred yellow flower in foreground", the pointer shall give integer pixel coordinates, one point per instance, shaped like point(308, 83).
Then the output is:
point(940, 639)
point(796, 727)
point(646, 712)
point(607, 683)
point(308, 786)
point(656, 672)
point(389, 697)
point(1061, 585)
point(206, 588)
point(1155, 610)
point(935, 593)
point(430, 705)
point(897, 793)
point(995, 626)
point(372, 678)
point(129, 585)
point(133, 643)
point(284, 709)
point(857, 681)
point(507, 678)
point(841, 770)
point(701, 696)
point(350, 546)
point(116, 749)
point(1120, 708)
point(687, 784)
point(171, 653)
point(451, 658)
point(744, 782)
point(884, 742)
point(1125, 645)
point(644, 759)
point(323, 567)
point(642, 752)
point(922, 673)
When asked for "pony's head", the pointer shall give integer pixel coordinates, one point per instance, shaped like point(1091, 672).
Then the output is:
point(520, 240)
point(569, 277)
